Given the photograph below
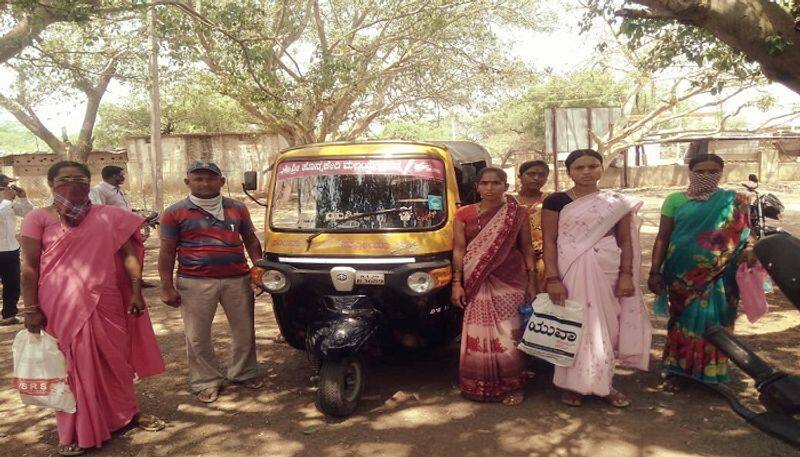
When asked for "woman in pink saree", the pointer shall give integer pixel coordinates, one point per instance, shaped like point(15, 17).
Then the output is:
point(492, 252)
point(81, 282)
point(592, 256)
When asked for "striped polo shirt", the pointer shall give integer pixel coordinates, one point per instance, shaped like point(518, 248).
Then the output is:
point(208, 247)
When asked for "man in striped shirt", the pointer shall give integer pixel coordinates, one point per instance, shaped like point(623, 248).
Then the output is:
point(209, 234)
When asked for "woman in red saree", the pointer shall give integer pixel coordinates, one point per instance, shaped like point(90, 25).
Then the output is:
point(492, 253)
point(81, 282)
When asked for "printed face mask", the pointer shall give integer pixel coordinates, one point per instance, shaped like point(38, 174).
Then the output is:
point(71, 200)
point(703, 185)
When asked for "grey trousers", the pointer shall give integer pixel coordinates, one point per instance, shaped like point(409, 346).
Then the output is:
point(199, 299)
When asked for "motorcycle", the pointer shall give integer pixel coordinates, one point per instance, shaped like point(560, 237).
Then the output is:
point(779, 392)
point(764, 206)
point(150, 222)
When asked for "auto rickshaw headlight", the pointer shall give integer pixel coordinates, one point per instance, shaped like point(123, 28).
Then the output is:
point(274, 280)
point(421, 282)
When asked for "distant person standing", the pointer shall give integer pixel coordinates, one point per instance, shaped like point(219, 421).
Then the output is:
point(13, 203)
point(109, 191)
point(533, 176)
point(209, 234)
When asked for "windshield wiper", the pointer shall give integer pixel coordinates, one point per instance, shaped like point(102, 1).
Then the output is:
point(353, 217)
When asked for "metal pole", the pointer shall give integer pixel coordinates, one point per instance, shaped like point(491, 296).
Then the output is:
point(554, 133)
point(155, 115)
point(589, 128)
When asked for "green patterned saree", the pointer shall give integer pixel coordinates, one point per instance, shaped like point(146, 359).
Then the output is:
point(700, 274)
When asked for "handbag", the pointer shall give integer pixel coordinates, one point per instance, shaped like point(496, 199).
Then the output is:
point(40, 372)
point(751, 281)
point(553, 332)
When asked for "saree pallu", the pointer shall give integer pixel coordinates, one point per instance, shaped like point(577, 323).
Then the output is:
point(491, 366)
point(84, 293)
point(615, 329)
point(700, 277)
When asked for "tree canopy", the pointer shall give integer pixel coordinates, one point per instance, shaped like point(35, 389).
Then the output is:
point(318, 71)
point(72, 61)
point(733, 36)
point(187, 107)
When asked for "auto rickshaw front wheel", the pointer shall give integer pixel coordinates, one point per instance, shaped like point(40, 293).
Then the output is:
point(341, 383)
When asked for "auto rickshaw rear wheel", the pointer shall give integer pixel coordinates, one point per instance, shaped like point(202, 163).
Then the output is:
point(341, 383)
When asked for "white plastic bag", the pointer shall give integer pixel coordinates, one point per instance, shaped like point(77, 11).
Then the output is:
point(40, 372)
point(553, 333)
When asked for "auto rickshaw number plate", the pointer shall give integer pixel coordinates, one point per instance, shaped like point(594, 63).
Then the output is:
point(370, 278)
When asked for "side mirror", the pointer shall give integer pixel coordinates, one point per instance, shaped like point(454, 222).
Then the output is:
point(250, 180)
point(249, 183)
point(753, 178)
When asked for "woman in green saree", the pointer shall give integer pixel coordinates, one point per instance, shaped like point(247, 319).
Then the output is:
point(702, 237)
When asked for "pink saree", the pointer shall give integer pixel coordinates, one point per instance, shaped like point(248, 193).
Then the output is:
point(491, 366)
point(588, 262)
point(84, 294)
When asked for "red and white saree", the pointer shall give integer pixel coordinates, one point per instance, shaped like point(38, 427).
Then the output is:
point(495, 278)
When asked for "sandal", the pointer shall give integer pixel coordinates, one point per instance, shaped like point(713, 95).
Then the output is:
point(514, 398)
point(617, 399)
point(149, 423)
point(208, 395)
point(571, 398)
point(673, 385)
point(70, 449)
point(254, 383)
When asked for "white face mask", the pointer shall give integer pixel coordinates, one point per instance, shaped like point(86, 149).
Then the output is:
point(212, 205)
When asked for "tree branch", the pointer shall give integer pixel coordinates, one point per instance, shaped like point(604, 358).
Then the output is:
point(27, 117)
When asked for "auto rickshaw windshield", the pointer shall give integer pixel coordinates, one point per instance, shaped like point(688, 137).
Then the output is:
point(359, 195)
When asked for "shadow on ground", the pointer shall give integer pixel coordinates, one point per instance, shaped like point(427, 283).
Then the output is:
point(413, 407)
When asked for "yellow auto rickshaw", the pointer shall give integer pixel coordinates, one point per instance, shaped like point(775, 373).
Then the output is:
point(358, 242)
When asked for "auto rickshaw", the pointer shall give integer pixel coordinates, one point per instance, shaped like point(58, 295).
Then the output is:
point(358, 242)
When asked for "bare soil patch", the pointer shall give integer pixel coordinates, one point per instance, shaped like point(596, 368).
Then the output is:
point(413, 407)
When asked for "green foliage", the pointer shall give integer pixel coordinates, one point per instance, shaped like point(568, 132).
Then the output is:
point(434, 130)
point(519, 123)
point(668, 43)
point(776, 44)
point(15, 139)
point(188, 107)
point(325, 71)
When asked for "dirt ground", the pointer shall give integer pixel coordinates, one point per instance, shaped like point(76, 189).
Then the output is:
point(413, 407)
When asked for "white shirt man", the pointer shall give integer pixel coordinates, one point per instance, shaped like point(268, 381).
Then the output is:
point(13, 203)
point(109, 192)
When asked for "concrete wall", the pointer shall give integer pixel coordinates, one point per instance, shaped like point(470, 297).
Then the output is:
point(234, 153)
point(31, 169)
point(678, 175)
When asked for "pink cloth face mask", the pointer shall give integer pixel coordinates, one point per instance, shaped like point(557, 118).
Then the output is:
point(71, 200)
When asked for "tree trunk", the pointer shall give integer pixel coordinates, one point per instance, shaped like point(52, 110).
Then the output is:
point(745, 25)
point(80, 152)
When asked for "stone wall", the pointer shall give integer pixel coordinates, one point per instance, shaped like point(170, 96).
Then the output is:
point(31, 169)
point(678, 176)
point(235, 153)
